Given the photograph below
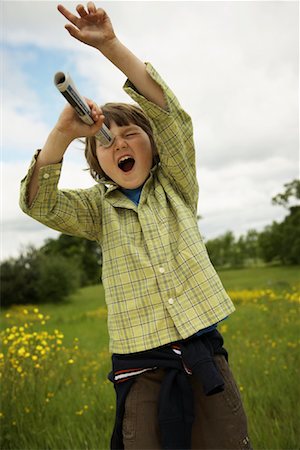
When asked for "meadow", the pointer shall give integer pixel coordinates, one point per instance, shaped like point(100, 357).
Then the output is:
point(54, 363)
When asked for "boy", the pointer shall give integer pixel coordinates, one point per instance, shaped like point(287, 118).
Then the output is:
point(174, 387)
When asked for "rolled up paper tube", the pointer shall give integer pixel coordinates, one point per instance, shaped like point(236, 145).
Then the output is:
point(67, 88)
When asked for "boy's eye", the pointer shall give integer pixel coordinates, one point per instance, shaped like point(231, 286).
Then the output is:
point(130, 134)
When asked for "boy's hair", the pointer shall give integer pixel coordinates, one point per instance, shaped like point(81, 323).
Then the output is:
point(122, 114)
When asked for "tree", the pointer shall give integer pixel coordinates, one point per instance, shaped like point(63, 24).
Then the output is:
point(251, 246)
point(34, 278)
point(86, 254)
point(224, 251)
point(281, 241)
point(292, 191)
point(270, 241)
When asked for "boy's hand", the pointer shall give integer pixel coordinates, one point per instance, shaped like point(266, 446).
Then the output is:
point(71, 126)
point(93, 27)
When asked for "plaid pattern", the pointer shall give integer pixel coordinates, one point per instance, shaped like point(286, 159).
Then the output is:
point(160, 285)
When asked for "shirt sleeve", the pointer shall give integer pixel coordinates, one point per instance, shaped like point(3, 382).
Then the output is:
point(173, 134)
point(73, 212)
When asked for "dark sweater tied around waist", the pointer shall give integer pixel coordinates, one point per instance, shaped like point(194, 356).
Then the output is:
point(175, 409)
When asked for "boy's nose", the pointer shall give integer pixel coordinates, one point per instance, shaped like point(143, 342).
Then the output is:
point(120, 142)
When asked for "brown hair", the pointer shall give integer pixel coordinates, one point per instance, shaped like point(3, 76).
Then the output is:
point(122, 114)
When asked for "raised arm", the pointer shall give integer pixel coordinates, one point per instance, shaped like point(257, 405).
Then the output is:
point(93, 27)
point(68, 127)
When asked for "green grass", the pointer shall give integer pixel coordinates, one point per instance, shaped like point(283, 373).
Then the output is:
point(67, 403)
point(261, 278)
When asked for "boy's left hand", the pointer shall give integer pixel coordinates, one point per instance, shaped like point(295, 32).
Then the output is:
point(93, 27)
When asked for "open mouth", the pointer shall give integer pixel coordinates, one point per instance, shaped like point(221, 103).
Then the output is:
point(126, 163)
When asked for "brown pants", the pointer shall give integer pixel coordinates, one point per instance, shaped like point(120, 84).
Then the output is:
point(220, 420)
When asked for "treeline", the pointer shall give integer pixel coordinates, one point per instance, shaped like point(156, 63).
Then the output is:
point(62, 265)
point(50, 273)
point(277, 243)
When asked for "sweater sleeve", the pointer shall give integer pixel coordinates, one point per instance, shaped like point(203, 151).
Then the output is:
point(73, 212)
point(173, 134)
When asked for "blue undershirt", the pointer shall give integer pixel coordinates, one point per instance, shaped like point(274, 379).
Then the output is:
point(134, 195)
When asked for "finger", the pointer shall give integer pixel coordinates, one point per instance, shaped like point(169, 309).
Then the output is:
point(98, 124)
point(93, 129)
point(81, 11)
point(73, 32)
point(91, 8)
point(99, 121)
point(96, 112)
point(68, 15)
point(92, 104)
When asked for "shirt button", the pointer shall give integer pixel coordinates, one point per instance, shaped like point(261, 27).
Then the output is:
point(46, 175)
point(162, 270)
point(171, 301)
point(57, 172)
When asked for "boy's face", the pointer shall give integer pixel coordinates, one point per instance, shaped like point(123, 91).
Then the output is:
point(129, 159)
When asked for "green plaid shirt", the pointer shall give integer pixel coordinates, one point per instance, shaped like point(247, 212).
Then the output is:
point(160, 285)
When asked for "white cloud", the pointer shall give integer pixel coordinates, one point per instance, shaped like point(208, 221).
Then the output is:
point(238, 197)
point(35, 22)
point(22, 127)
point(22, 131)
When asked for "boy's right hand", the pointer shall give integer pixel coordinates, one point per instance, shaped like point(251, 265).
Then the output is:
point(72, 127)
point(93, 26)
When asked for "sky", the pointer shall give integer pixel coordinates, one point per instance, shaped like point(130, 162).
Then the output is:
point(234, 66)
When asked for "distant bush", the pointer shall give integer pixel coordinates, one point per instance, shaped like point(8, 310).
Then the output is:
point(36, 278)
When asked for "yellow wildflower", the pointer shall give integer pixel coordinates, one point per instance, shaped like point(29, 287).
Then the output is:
point(223, 328)
point(21, 351)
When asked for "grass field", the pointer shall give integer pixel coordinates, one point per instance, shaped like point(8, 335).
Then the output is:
point(55, 360)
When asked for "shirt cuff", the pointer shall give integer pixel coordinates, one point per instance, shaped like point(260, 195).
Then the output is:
point(48, 180)
point(152, 110)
